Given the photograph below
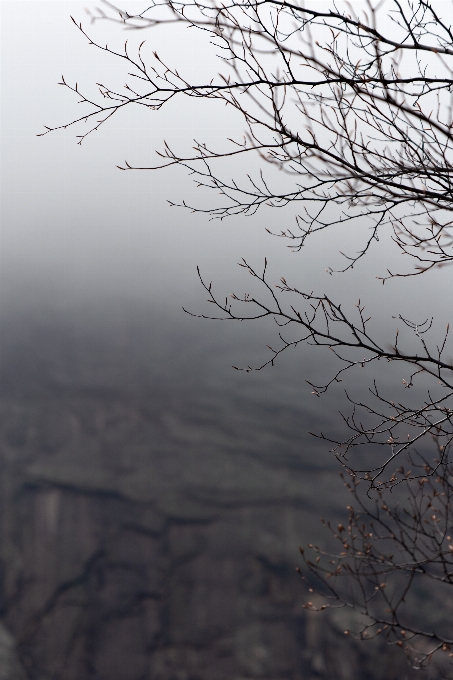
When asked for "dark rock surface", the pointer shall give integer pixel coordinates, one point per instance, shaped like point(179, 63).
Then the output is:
point(152, 513)
point(10, 665)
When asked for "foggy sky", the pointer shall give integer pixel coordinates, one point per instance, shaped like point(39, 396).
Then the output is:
point(80, 230)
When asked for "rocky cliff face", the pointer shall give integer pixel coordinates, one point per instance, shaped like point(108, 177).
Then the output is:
point(151, 521)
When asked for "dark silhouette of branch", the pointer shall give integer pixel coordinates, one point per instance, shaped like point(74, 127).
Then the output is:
point(376, 134)
point(395, 561)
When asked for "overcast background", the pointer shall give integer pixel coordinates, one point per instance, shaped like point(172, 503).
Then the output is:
point(79, 233)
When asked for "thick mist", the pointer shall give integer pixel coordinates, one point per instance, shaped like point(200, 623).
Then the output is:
point(154, 498)
point(76, 226)
point(80, 234)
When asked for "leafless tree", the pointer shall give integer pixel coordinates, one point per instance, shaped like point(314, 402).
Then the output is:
point(394, 565)
point(353, 103)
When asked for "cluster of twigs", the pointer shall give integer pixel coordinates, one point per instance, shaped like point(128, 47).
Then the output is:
point(393, 425)
point(394, 566)
point(355, 109)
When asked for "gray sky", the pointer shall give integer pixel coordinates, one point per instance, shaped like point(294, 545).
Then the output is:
point(78, 232)
point(78, 227)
